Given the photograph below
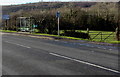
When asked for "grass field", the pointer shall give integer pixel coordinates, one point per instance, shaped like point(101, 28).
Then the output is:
point(102, 36)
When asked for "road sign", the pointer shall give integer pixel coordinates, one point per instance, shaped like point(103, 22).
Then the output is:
point(6, 17)
point(58, 14)
point(35, 26)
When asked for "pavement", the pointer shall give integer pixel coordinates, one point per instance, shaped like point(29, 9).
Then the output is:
point(23, 55)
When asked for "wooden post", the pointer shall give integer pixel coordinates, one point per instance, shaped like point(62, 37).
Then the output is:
point(101, 36)
point(88, 31)
point(118, 33)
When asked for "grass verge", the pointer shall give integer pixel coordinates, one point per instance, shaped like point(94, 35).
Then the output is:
point(7, 31)
point(111, 39)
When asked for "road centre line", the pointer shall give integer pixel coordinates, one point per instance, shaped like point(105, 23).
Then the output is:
point(91, 64)
point(18, 44)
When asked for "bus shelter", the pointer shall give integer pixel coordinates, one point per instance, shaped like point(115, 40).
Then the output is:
point(25, 24)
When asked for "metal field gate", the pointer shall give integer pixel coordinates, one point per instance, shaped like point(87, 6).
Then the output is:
point(102, 36)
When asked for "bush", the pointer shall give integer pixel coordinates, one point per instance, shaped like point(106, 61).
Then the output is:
point(76, 34)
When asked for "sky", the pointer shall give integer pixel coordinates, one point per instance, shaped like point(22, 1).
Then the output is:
point(15, 2)
point(12, 2)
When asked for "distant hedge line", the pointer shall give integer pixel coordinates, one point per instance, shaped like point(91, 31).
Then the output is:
point(70, 19)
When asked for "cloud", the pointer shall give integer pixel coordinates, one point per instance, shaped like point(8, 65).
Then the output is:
point(15, 2)
point(106, 0)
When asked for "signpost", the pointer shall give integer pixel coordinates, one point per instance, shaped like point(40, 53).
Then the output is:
point(58, 16)
point(35, 26)
point(6, 17)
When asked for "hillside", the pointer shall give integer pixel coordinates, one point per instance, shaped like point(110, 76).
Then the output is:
point(44, 6)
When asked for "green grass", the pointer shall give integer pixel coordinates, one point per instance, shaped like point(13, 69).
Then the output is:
point(114, 42)
point(44, 34)
point(58, 36)
point(7, 31)
point(111, 39)
point(101, 37)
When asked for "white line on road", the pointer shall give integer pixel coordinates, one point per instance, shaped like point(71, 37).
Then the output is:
point(18, 44)
point(110, 49)
point(104, 48)
point(91, 64)
point(23, 46)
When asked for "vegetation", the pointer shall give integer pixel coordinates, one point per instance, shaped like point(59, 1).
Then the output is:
point(7, 31)
point(74, 16)
point(109, 40)
point(102, 35)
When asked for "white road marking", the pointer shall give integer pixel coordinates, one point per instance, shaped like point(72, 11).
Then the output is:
point(74, 43)
point(91, 64)
point(56, 40)
point(99, 47)
point(22, 45)
point(88, 45)
point(104, 48)
point(91, 46)
point(18, 44)
point(64, 42)
point(110, 49)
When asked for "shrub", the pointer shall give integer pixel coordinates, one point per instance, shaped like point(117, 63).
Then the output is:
point(76, 34)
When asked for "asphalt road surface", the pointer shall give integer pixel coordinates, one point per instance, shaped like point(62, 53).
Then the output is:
point(24, 55)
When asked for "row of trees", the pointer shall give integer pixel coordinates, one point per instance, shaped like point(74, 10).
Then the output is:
point(102, 16)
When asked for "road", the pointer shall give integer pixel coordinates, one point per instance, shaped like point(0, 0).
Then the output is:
point(24, 55)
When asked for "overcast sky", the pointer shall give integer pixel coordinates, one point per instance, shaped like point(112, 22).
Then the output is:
point(12, 2)
point(9, 2)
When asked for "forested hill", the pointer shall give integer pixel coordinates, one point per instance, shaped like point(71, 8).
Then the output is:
point(45, 6)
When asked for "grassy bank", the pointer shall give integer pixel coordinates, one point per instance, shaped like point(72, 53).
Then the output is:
point(59, 36)
point(7, 31)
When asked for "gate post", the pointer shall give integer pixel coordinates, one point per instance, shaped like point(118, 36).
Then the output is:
point(101, 36)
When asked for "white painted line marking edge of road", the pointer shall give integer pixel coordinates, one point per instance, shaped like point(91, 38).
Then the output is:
point(18, 44)
point(23, 46)
point(91, 64)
